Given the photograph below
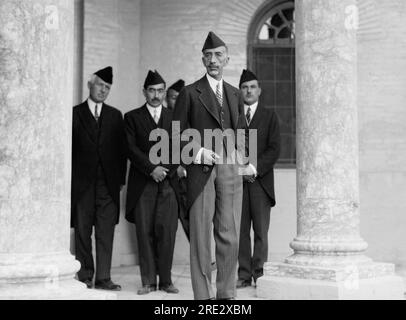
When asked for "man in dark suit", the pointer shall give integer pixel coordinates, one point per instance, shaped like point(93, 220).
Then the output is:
point(179, 180)
point(214, 187)
point(258, 188)
point(151, 201)
point(98, 174)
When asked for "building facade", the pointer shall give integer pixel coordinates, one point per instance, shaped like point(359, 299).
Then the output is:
point(134, 36)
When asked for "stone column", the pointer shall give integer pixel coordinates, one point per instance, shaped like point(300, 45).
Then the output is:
point(36, 50)
point(328, 260)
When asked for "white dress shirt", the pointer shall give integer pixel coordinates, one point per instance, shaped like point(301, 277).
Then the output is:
point(152, 111)
point(213, 83)
point(253, 108)
point(92, 106)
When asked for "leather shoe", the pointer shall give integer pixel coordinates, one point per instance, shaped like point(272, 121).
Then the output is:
point(170, 288)
point(243, 283)
point(146, 289)
point(107, 285)
point(88, 283)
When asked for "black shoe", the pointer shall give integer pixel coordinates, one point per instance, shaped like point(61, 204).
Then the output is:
point(258, 275)
point(88, 283)
point(170, 288)
point(243, 283)
point(147, 289)
point(107, 285)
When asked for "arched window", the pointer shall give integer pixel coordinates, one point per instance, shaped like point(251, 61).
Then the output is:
point(271, 56)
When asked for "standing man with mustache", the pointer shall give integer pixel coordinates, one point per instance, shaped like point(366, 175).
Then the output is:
point(214, 190)
point(151, 200)
point(258, 188)
point(99, 165)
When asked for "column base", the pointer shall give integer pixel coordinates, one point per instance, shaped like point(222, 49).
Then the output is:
point(48, 276)
point(65, 290)
point(369, 281)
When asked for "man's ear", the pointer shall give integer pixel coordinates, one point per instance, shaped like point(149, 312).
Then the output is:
point(89, 85)
point(260, 90)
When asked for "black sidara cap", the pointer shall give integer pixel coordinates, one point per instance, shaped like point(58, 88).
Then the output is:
point(152, 79)
point(105, 74)
point(213, 41)
point(247, 75)
point(178, 85)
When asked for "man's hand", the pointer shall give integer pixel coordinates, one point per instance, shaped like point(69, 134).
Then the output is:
point(159, 173)
point(181, 172)
point(249, 179)
point(209, 157)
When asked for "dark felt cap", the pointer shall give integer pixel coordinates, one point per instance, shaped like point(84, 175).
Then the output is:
point(247, 75)
point(105, 74)
point(178, 85)
point(213, 41)
point(153, 78)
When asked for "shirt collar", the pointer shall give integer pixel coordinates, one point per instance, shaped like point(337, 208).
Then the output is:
point(252, 107)
point(92, 105)
point(213, 82)
point(152, 109)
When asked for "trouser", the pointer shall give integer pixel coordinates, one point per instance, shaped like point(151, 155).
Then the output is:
point(96, 207)
point(218, 205)
point(256, 211)
point(156, 222)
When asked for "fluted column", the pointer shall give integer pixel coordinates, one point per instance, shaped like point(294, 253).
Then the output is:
point(36, 50)
point(328, 260)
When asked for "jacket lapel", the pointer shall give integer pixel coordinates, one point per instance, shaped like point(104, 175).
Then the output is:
point(256, 119)
point(147, 119)
point(87, 120)
point(232, 97)
point(103, 122)
point(203, 87)
point(166, 121)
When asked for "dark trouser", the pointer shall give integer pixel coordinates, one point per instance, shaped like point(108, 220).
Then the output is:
point(97, 208)
point(156, 222)
point(181, 185)
point(256, 208)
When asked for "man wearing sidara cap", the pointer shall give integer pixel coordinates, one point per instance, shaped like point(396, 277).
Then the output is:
point(99, 164)
point(151, 201)
point(258, 186)
point(173, 92)
point(214, 187)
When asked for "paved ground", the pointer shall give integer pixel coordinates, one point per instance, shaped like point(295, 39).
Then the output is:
point(130, 281)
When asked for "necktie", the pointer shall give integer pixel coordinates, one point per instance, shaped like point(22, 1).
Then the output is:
point(248, 115)
point(96, 114)
point(156, 119)
point(219, 95)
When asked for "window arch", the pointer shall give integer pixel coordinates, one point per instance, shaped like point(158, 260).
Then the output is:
point(271, 56)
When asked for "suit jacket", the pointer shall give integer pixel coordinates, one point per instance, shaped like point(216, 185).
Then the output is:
point(195, 109)
point(109, 147)
point(138, 125)
point(265, 121)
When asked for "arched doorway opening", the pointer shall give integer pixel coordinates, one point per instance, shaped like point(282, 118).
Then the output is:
point(271, 56)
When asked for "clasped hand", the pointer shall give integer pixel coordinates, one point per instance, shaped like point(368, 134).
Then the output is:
point(159, 174)
point(209, 157)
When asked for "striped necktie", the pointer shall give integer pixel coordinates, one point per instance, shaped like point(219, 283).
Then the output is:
point(219, 94)
point(248, 115)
